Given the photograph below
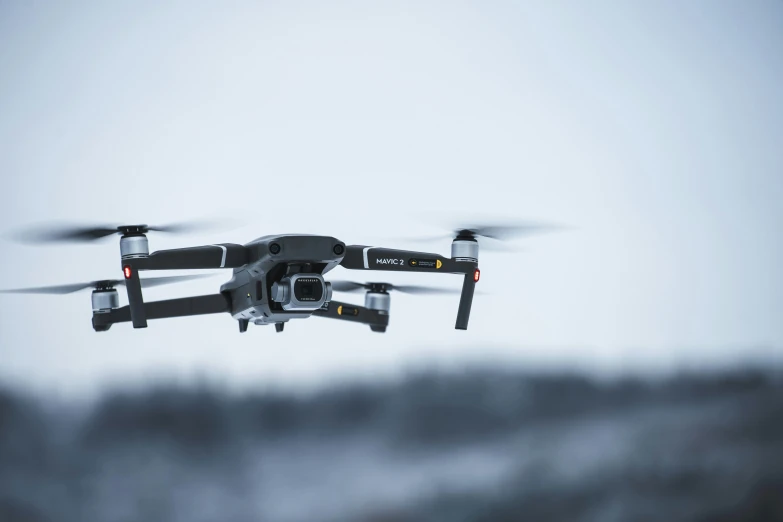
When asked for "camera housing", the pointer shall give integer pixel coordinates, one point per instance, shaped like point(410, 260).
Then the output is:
point(302, 292)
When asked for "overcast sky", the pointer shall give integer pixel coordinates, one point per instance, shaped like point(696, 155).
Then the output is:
point(654, 129)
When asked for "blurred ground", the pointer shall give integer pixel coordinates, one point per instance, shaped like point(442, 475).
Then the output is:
point(471, 446)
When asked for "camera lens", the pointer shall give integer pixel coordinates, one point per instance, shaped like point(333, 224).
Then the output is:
point(308, 289)
point(338, 249)
point(274, 248)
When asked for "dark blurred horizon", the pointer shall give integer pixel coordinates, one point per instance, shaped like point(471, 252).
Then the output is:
point(477, 443)
point(644, 368)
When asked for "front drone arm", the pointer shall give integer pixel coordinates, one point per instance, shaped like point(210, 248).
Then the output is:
point(200, 305)
point(358, 314)
point(135, 258)
point(226, 255)
point(360, 257)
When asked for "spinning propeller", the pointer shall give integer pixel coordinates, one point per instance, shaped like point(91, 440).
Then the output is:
point(496, 233)
point(102, 285)
point(351, 286)
point(58, 233)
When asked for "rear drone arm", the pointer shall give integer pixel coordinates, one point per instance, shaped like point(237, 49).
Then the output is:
point(377, 320)
point(199, 305)
point(464, 261)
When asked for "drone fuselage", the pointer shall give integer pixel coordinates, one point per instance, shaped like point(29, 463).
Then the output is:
point(273, 260)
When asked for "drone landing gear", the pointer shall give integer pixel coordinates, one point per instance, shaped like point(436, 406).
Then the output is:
point(243, 325)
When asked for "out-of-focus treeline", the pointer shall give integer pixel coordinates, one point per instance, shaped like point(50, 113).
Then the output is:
point(474, 445)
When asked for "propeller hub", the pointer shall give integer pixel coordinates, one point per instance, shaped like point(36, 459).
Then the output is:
point(133, 230)
point(465, 235)
point(381, 288)
point(103, 286)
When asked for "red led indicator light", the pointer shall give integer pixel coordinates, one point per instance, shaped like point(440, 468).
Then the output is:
point(127, 271)
point(476, 275)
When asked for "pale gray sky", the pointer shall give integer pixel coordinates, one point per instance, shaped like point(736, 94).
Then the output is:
point(655, 129)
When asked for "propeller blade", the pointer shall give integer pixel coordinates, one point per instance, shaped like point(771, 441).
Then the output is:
point(351, 286)
point(182, 227)
point(57, 290)
point(485, 244)
point(506, 232)
point(492, 237)
point(64, 234)
point(74, 233)
point(347, 286)
point(69, 289)
point(423, 290)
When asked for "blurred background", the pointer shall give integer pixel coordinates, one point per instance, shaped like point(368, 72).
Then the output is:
point(629, 367)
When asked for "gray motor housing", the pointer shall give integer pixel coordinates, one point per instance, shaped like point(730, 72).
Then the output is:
point(103, 301)
point(465, 250)
point(134, 246)
point(380, 301)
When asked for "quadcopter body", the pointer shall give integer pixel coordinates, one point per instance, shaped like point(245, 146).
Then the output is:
point(275, 278)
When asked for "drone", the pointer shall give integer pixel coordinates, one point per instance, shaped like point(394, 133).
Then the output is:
point(275, 278)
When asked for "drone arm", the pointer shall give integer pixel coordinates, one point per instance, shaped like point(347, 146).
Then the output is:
point(199, 305)
point(357, 314)
point(359, 257)
point(225, 255)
